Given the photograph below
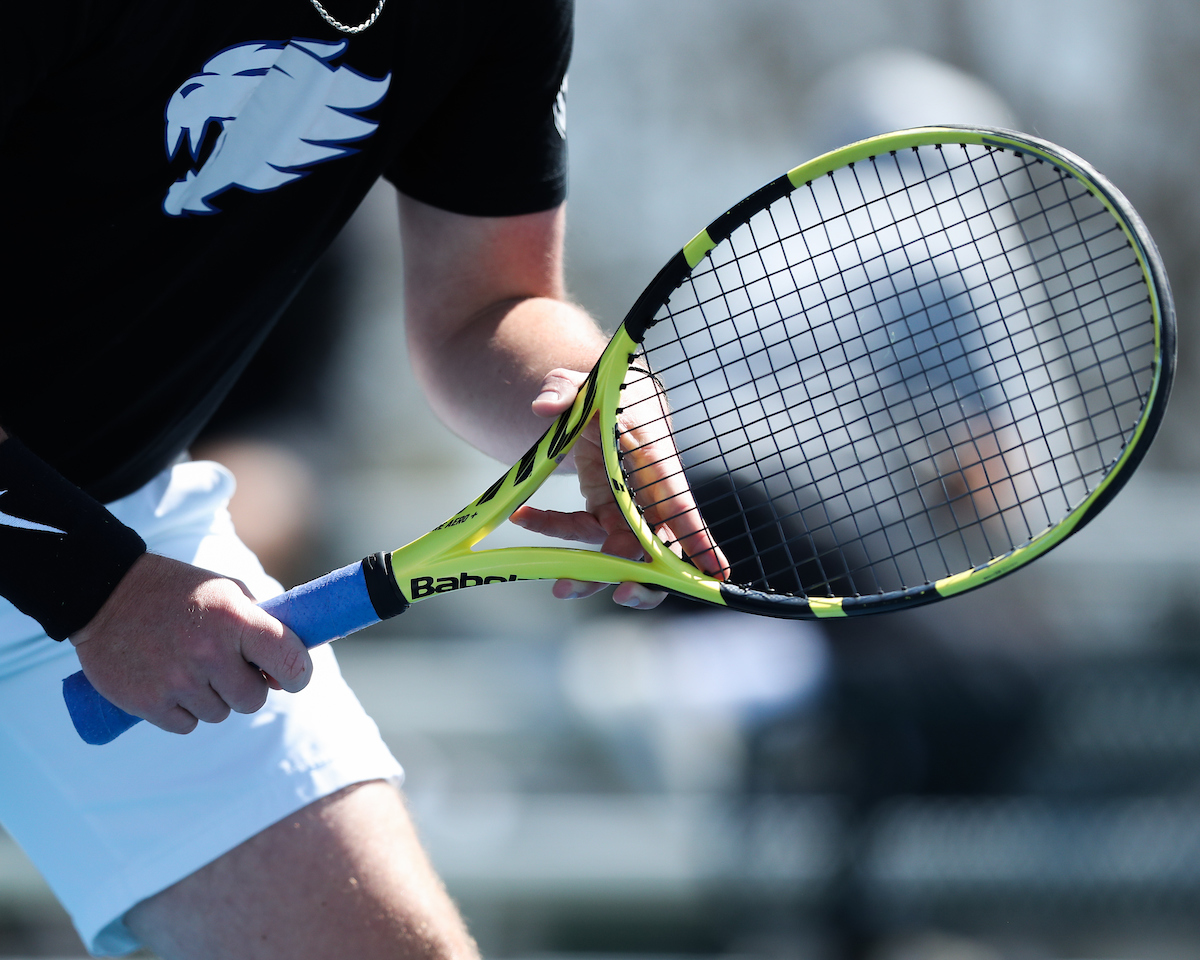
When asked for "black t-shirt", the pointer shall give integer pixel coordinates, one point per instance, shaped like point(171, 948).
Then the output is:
point(173, 170)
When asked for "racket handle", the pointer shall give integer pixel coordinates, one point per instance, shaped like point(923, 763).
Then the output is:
point(330, 607)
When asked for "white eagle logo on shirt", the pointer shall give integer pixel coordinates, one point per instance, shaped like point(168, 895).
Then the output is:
point(281, 109)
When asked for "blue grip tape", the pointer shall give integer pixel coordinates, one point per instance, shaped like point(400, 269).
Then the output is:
point(324, 609)
point(327, 608)
point(96, 720)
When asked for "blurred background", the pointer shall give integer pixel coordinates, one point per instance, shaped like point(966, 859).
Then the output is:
point(1013, 774)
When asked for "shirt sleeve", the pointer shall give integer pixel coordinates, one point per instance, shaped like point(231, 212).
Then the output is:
point(497, 145)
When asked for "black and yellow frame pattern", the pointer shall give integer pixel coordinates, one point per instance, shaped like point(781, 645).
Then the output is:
point(446, 559)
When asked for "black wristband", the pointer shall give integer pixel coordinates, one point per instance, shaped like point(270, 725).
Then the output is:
point(61, 553)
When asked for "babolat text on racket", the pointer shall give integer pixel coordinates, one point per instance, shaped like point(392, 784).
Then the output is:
point(896, 373)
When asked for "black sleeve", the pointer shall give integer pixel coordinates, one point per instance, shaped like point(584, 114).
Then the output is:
point(52, 34)
point(497, 146)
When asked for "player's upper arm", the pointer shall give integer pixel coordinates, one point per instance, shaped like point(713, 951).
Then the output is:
point(486, 319)
point(458, 267)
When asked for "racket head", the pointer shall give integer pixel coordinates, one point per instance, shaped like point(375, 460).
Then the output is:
point(898, 372)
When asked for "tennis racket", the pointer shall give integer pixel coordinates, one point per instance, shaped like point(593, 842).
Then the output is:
point(896, 373)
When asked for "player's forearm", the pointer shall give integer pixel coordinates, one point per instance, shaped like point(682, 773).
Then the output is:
point(481, 379)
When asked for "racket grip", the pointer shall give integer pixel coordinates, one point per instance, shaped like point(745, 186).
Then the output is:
point(330, 607)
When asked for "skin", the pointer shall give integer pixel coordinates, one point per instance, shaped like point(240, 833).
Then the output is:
point(353, 882)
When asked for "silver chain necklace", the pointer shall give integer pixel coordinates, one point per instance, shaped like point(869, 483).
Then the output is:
point(338, 25)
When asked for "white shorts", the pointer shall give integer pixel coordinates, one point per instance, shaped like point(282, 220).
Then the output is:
point(112, 825)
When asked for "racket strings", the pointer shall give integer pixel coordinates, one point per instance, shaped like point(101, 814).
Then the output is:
point(1058, 254)
point(998, 406)
point(991, 411)
point(816, 528)
point(980, 457)
point(945, 299)
point(1138, 284)
point(893, 374)
point(1006, 532)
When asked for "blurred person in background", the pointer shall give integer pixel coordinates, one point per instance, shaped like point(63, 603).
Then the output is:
point(913, 715)
point(181, 169)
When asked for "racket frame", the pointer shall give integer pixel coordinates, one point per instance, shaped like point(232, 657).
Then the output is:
point(445, 559)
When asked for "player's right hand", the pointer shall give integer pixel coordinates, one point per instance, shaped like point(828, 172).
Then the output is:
point(176, 644)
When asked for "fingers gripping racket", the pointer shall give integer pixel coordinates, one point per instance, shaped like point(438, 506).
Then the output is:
point(896, 373)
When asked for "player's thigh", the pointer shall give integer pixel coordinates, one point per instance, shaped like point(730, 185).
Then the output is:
point(343, 877)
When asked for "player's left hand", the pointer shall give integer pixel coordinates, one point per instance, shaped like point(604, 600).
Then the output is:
point(601, 521)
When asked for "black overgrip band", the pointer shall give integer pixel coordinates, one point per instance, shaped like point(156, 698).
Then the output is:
point(61, 552)
point(386, 596)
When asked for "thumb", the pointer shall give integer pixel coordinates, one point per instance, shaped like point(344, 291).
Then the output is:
point(558, 391)
point(277, 652)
